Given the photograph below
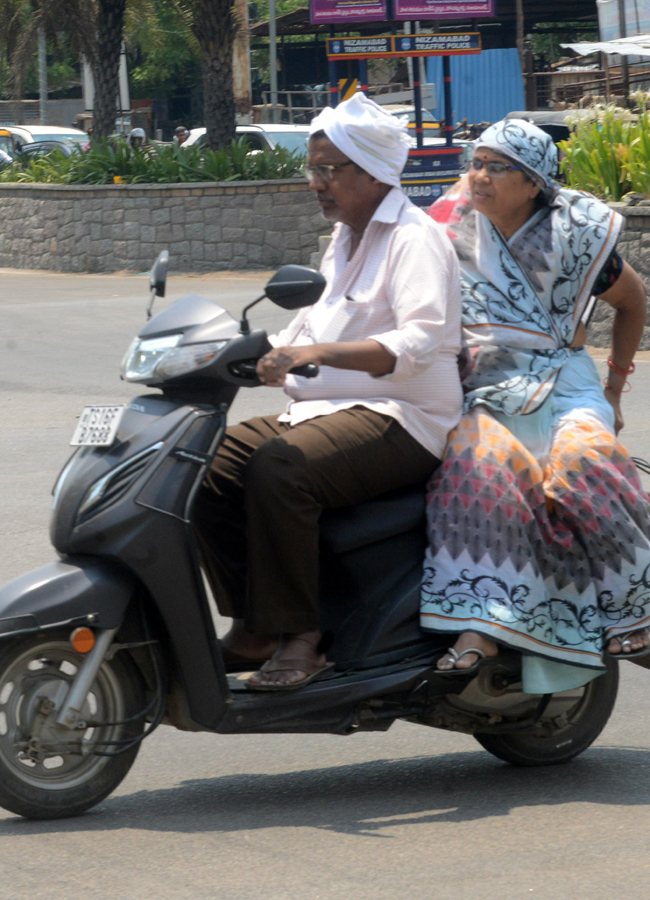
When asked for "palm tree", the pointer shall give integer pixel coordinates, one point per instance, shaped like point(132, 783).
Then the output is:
point(20, 22)
point(95, 29)
point(214, 26)
point(106, 64)
point(12, 14)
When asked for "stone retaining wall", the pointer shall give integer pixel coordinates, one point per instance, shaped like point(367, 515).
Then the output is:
point(205, 227)
point(634, 247)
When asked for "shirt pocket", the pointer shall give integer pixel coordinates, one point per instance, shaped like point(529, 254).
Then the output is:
point(350, 320)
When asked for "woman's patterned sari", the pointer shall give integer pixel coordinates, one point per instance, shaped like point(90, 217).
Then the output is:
point(539, 529)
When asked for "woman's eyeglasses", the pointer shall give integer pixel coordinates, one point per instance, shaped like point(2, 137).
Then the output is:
point(493, 169)
point(324, 172)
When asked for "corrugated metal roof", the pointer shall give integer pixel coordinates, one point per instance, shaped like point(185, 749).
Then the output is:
point(484, 88)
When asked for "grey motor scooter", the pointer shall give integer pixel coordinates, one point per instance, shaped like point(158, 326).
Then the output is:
point(115, 638)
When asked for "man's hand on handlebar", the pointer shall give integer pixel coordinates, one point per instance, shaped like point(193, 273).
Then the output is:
point(274, 366)
point(363, 356)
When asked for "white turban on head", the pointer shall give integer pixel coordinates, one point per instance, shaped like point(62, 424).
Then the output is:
point(368, 135)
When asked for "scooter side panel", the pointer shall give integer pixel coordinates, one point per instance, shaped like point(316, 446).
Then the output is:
point(370, 599)
point(165, 564)
point(65, 591)
point(146, 421)
point(154, 543)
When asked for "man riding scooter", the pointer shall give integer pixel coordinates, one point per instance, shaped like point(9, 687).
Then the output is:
point(386, 334)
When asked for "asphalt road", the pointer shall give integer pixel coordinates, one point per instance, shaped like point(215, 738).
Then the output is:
point(415, 813)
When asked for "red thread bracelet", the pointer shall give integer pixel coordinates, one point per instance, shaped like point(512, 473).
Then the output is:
point(619, 369)
point(615, 390)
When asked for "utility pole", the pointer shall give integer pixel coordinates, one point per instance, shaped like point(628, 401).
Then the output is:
point(519, 9)
point(42, 76)
point(241, 63)
point(273, 61)
point(625, 68)
point(520, 31)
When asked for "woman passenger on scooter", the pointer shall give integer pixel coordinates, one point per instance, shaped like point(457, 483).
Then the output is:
point(539, 529)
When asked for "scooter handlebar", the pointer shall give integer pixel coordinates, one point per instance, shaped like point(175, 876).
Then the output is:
point(248, 369)
point(309, 370)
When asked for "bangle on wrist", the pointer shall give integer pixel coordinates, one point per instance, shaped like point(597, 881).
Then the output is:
point(616, 390)
point(619, 369)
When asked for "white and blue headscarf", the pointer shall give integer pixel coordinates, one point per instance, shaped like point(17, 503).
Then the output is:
point(523, 298)
point(528, 146)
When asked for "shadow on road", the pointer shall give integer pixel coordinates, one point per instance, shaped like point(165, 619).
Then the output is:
point(366, 798)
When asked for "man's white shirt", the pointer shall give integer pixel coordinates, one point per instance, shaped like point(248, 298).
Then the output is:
point(402, 289)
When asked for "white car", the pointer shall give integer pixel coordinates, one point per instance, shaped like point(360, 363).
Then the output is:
point(29, 134)
point(262, 137)
point(430, 124)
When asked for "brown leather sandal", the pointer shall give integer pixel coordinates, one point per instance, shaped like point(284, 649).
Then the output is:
point(311, 670)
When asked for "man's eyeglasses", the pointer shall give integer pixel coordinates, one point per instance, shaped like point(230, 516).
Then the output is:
point(493, 169)
point(324, 172)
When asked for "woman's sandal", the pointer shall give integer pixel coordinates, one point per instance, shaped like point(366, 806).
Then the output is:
point(621, 638)
point(470, 670)
point(311, 670)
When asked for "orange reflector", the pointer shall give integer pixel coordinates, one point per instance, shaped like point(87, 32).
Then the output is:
point(83, 640)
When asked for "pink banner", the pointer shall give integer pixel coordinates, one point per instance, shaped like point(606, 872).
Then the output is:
point(441, 9)
point(332, 12)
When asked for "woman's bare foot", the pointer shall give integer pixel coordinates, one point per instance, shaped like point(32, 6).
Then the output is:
point(241, 643)
point(629, 643)
point(294, 648)
point(465, 641)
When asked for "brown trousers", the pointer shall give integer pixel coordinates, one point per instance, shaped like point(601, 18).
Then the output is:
point(258, 509)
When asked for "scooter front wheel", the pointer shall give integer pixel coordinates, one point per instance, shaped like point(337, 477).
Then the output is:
point(48, 771)
point(570, 724)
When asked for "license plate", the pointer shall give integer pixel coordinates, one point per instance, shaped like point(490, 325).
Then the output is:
point(97, 426)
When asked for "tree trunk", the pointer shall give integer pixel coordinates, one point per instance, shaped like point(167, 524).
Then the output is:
point(218, 99)
point(110, 30)
point(214, 29)
point(17, 108)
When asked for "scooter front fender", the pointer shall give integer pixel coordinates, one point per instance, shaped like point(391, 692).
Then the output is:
point(74, 590)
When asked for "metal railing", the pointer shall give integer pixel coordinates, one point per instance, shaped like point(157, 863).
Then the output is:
point(548, 88)
point(299, 106)
point(296, 107)
point(9, 111)
point(573, 92)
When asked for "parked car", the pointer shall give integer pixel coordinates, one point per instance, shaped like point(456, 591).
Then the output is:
point(430, 124)
point(556, 123)
point(6, 141)
point(292, 137)
point(29, 134)
point(263, 137)
point(42, 148)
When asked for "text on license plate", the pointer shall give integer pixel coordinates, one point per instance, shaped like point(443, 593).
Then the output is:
point(97, 426)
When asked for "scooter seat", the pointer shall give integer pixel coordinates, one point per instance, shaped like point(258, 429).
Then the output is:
point(352, 527)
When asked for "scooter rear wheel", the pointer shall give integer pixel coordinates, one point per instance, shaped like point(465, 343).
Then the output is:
point(571, 723)
point(47, 771)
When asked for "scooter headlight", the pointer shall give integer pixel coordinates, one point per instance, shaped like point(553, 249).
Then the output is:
point(160, 358)
point(183, 360)
point(143, 356)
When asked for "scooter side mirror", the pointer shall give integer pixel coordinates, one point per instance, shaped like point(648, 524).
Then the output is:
point(158, 275)
point(293, 287)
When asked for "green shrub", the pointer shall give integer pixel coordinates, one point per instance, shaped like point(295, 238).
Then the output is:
point(105, 162)
point(50, 168)
point(609, 156)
